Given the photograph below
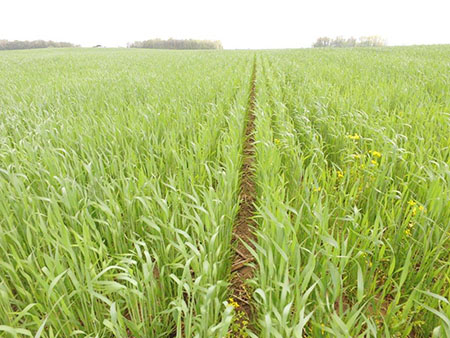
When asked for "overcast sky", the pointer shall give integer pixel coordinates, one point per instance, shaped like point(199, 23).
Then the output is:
point(237, 23)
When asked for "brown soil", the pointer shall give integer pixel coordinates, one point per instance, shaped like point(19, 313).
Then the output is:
point(244, 223)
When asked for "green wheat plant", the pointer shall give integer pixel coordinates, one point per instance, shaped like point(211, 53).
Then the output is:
point(354, 195)
point(118, 176)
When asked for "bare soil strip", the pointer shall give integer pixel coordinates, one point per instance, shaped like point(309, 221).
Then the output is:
point(244, 223)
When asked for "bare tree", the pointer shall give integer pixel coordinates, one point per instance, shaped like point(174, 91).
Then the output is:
point(322, 42)
point(339, 42)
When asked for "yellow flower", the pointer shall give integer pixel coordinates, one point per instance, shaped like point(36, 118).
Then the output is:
point(408, 232)
point(422, 208)
point(317, 189)
point(233, 303)
point(357, 156)
point(354, 137)
point(412, 203)
point(277, 141)
point(340, 174)
point(414, 211)
point(375, 153)
point(374, 162)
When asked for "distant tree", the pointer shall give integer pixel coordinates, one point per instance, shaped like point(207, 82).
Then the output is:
point(371, 41)
point(322, 42)
point(340, 42)
point(16, 44)
point(176, 44)
point(351, 42)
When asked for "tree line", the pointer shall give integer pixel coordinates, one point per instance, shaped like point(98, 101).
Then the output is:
point(16, 44)
point(364, 41)
point(176, 44)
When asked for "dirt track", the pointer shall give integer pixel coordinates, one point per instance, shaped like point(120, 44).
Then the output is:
point(244, 223)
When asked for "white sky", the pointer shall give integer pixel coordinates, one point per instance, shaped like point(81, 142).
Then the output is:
point(237, 23)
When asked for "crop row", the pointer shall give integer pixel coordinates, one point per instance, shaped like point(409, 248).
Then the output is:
point(119, 179)
point(354, 195)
